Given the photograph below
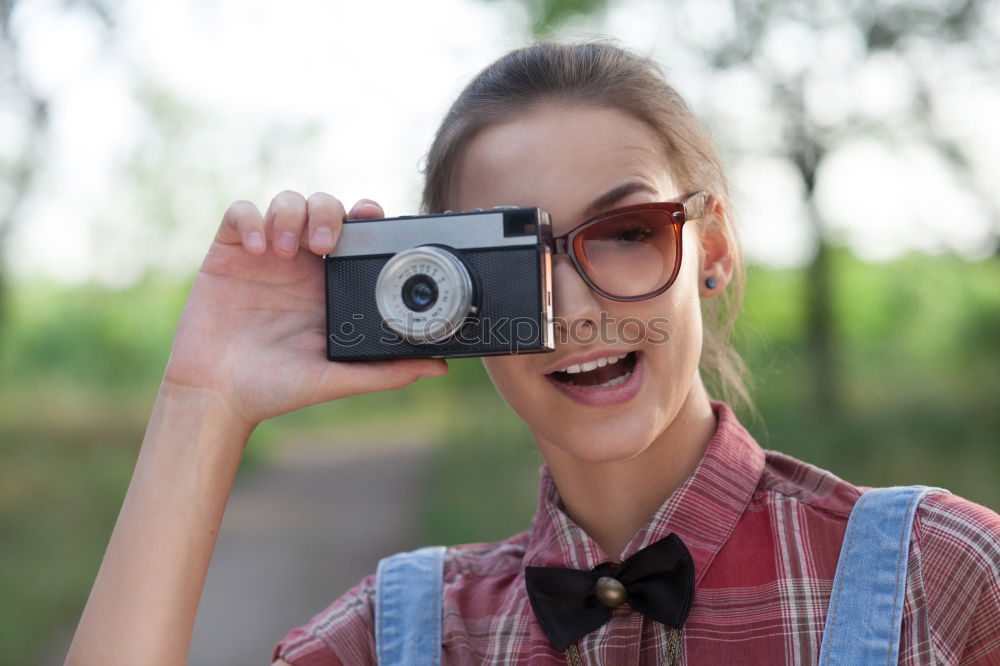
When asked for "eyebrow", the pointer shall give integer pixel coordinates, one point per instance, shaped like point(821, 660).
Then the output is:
point(613, 196)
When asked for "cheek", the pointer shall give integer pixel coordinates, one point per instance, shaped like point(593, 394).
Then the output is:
point(692, 251)
point(504, 372)
point(678, 312)
point(685, 292)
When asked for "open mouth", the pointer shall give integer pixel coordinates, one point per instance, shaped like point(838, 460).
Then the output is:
point(601, 373)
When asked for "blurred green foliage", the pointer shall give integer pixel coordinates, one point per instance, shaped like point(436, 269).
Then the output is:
point(66, 456)
point(546, 17)
point(90, 336)
point(918, 341)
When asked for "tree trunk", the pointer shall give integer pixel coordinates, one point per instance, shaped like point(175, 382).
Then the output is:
point(806, 150)
point(820, 321)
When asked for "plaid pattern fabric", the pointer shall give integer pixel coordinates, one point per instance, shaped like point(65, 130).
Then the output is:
point(764, 531)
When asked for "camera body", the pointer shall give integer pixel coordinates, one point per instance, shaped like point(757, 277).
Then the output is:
point(443, 286)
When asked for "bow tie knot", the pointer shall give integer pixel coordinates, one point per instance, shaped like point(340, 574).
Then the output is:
point(657, 581)
point(610, 591)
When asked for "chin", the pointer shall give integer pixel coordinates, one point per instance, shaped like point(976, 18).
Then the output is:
point(602, 443)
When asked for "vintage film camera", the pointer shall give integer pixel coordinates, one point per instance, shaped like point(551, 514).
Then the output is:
point(444, 286)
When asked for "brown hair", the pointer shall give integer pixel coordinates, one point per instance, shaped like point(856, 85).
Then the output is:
point(601, 73)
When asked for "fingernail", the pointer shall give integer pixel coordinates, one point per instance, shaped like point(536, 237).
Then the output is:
point(287, 241)
point(366, 205)
point(322, 237)
point(254, 239)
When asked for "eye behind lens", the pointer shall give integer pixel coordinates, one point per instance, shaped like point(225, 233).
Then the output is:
point(628, 255)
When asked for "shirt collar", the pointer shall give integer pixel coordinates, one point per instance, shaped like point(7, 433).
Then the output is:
point(703, 511)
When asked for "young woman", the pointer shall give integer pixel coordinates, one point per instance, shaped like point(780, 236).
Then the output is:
point(635, 449)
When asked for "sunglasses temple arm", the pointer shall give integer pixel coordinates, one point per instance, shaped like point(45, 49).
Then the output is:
point(559, 245)
point(694, 205)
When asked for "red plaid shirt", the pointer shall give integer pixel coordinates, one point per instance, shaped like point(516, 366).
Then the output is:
point(764, 531)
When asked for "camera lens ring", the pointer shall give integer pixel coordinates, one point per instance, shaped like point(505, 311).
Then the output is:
point(452, 302)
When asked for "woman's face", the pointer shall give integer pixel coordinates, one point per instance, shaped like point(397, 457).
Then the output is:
point(567, 159)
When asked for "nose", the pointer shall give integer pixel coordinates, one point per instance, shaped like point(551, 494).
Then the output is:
point(574, 303)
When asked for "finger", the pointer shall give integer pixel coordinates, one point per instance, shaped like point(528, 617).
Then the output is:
point(365, 209)
point(285, 220)
point(243, 223)
point(368, 376)
point(326, 219)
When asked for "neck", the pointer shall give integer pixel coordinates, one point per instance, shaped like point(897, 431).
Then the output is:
point(611, 501)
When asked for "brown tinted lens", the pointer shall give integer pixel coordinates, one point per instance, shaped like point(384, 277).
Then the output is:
point(627, 255)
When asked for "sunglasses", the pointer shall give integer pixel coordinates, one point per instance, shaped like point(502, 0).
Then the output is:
point(632, 253)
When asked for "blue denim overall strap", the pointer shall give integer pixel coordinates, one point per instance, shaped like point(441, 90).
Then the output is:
point(866, 604)
point(408, 593)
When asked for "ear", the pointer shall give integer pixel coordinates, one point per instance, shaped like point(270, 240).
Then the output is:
point(717, 248)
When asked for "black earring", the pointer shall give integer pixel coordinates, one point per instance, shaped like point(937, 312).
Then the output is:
point(710, 282)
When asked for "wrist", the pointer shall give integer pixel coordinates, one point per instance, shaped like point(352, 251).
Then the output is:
point(202, 404)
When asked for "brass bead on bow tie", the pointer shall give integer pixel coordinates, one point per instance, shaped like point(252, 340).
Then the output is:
point(610, 592)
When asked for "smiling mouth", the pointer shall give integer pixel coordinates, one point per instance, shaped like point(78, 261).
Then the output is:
point(606, 376)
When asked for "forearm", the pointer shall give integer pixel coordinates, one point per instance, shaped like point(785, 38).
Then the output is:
point(144, 601)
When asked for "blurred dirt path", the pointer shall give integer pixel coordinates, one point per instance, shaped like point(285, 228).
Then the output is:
point(296, 535)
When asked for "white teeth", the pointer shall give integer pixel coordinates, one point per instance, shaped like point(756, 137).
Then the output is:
point(592, 365)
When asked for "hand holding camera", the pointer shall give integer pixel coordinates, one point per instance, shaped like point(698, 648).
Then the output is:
point(253, 331)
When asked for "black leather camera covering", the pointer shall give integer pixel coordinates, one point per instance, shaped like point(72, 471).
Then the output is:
point(510, 291)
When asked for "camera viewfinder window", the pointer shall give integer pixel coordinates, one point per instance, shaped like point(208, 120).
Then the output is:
point(520, 223)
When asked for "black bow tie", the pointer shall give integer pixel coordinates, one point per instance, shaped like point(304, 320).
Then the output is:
point(657, 581)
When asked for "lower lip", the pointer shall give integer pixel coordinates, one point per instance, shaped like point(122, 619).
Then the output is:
point(595, 396)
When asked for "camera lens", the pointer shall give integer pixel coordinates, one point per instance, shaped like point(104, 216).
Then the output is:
point(420, 292)
point(425, 294)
